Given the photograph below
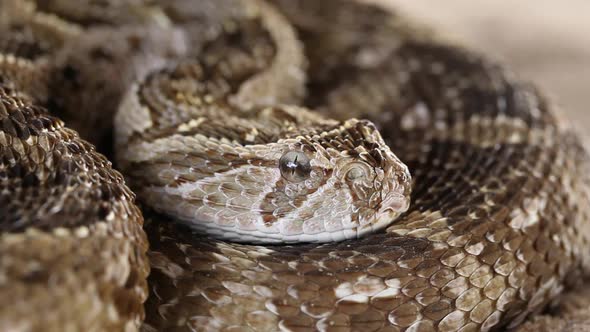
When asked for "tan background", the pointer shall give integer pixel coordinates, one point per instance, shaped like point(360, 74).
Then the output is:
point(547, 41)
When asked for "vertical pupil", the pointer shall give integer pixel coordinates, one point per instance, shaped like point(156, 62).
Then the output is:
point(294, 166)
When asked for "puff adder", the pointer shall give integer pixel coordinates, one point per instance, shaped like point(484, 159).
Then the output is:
point(275, 122)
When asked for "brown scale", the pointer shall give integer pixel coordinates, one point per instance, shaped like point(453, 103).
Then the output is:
point(90, 65)
point(193, 83)
point(102, 12)
point(58, 196)
point(460, 258)
point(29, 34)
point(21, 41)
point(494, 232)
point(92, 72)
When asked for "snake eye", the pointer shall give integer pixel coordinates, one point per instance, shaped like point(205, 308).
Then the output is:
point(295, 166)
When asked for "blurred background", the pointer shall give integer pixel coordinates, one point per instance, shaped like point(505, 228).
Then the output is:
point(545, 41)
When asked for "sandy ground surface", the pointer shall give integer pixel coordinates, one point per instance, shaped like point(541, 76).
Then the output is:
point(545, 41)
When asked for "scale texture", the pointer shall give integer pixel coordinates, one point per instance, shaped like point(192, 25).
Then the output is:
point(483, 187)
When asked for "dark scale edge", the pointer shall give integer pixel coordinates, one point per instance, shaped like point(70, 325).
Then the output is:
point(40, 156)
point(68, 223)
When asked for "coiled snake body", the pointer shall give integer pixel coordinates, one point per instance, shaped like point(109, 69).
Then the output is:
point(207, 132)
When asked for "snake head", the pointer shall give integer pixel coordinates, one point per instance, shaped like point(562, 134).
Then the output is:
point(344, 181)
point(321, 181)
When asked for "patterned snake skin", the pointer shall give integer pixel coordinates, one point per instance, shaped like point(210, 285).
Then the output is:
point(206, 98)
